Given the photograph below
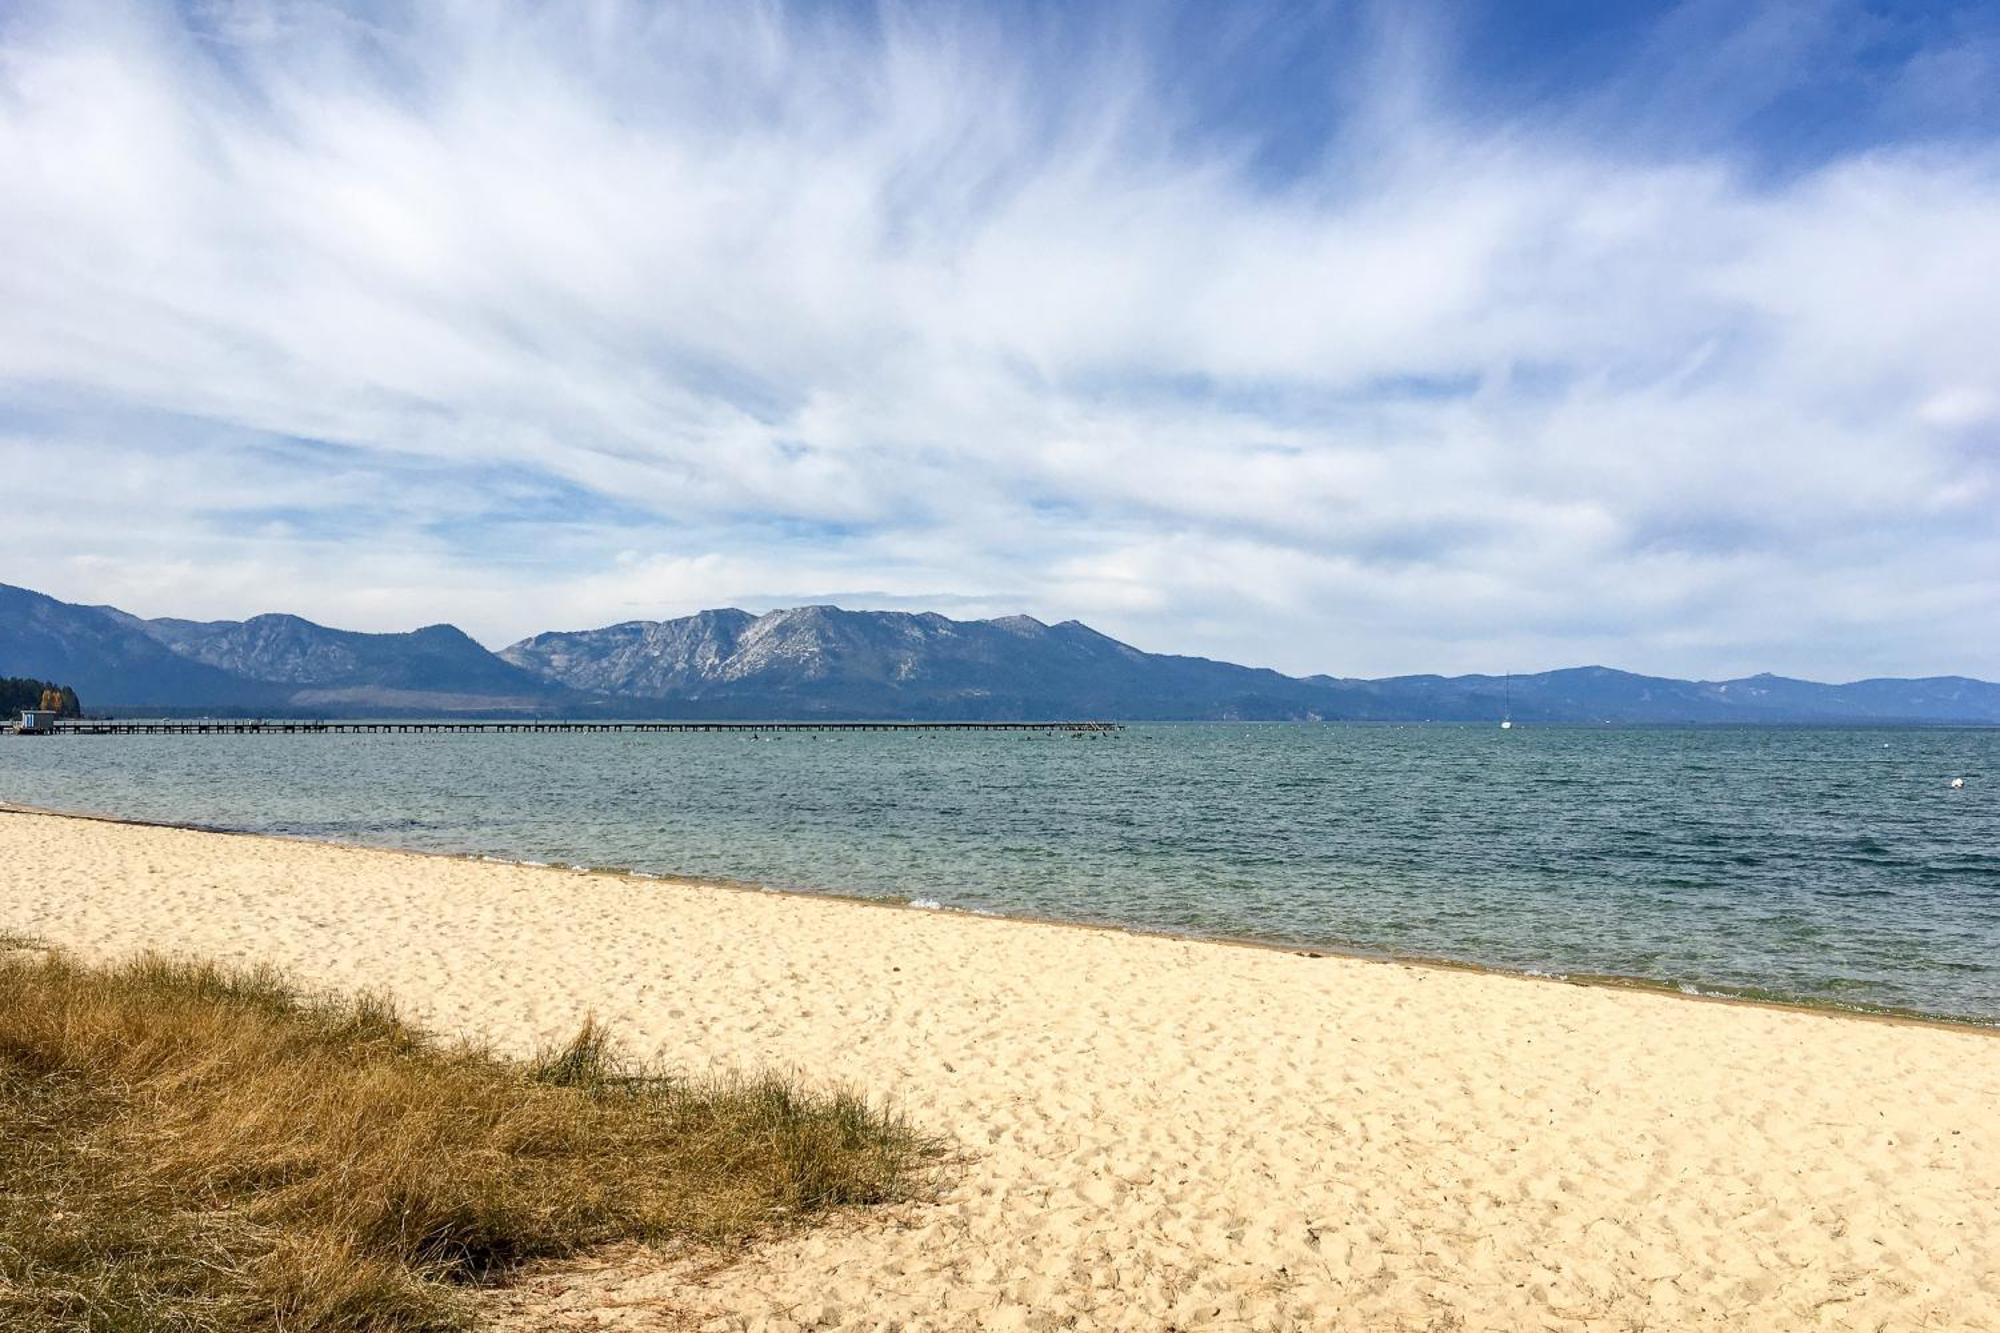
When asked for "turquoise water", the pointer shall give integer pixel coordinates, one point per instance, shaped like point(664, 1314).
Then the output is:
point(1831, 866)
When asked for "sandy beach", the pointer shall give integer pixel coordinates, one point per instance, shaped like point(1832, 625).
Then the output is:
point(1155, 1133)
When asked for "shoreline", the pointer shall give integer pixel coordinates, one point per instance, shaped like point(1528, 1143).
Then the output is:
point(1146, 1132)
point(1600, 981)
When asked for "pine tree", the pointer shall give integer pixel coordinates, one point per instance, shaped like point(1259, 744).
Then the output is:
point(20, 692)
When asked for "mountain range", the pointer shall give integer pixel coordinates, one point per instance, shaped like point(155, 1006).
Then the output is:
point(824, 662)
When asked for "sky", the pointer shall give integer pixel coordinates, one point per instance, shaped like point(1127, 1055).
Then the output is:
point(1351, 338)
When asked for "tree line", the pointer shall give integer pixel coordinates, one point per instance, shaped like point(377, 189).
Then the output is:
point(19, 692)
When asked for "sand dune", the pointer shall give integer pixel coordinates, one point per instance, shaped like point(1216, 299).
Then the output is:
point(1160, 1133)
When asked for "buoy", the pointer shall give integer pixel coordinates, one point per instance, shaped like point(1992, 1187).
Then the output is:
point(1957, 783)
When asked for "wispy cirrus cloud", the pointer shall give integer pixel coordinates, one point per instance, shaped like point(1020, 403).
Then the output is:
point(1308, 339)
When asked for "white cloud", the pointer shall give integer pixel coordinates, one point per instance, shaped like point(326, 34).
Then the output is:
point(772, 305)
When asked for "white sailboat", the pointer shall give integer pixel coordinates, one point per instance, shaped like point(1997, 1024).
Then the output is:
point(1507, 702)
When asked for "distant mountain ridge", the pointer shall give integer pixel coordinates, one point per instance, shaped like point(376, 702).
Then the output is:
point(819, 659)
point(104, 659)
point(812, 661)
point(286, 650)
point(825, 662)
point(267, 664)
point(1602, 694)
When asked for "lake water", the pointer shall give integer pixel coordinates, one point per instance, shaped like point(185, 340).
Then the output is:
point(1830, 866)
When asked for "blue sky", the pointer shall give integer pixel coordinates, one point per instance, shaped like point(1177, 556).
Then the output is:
point(1358, 338)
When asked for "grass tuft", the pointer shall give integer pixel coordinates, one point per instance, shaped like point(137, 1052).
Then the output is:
point(191, 1147)
point(587, 1062)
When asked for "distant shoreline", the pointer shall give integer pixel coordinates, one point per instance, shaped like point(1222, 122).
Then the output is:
point(999, 724)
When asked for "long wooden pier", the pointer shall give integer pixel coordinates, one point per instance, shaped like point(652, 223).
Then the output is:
point(283, 726)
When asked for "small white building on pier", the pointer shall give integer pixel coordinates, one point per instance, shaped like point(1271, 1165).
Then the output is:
point(37, 721)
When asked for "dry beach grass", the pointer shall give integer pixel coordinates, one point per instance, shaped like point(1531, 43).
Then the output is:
point(192, 1147)
point(1158, 1133)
